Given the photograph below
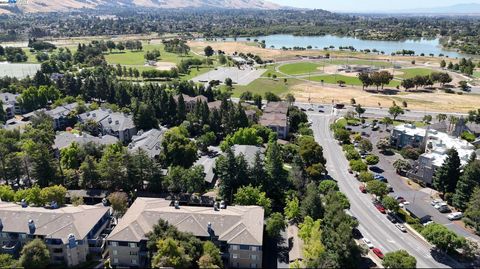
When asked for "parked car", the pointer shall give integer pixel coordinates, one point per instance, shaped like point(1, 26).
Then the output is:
point(455, 216)
point(350, 170)
point(444, 209)
point(390, 188)
point(367, 242)
point(400, 199)
point(436, 201)
point(391, 218)
point(362, 189)
point(437, 206)
point(378, 252)
point(321, 111)
point(401, 227)
point(403, 204)
point(427, 223)
point(380, 208)
point(310, 109)
point(303, 109)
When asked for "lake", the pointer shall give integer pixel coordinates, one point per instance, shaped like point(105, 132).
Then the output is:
point(18, 70)
point(425, 46)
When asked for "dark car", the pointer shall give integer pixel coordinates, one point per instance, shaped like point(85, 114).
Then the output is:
point(391, 218)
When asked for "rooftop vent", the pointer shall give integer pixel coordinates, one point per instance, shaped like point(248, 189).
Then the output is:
point(223, 205)
point(31, 226)
point(94, 115)
point(216, 206)
point(23, 203)
point(53, 205)
point(109, 120)
point(176, 204)
point(117, 122)
point(72, 242)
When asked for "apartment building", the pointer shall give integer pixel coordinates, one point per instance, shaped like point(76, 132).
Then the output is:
point(236, 230)
point(112, 123)
point(407, 135)
point(70, 233)
point(275, 117)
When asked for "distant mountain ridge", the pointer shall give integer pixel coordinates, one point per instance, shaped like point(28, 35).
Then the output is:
point(34, 6)
point(468, 8)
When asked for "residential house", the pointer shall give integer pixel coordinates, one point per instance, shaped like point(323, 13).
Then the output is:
point(190, 102)
point(275, 117)
point(112, 123)
point(249, 152)
point(149, 141)
point(209, 164)
point(70, 233)
point(10, 104)
point(236, 230)
point(215, 105)
point(60, 115)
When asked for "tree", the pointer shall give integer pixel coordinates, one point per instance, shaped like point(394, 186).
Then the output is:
point(54, 194)
point(390, 203)
point(170, 254)
point(313, 249)
point(119, 202)
point(365, 79)
point(144, 117)
point(472, 214)
point(277, 176)
point(110, 45)
point(327, 186)
point(290, 98)
point(275, 225)
point(358, 165)
point(446, 177)
point(408, 84)
point(211, 257)
point(463, 85)
point(399, 259)
point(402, 166)
point(395, 111)
point(442, 237)
point(185, 180)
point(7, 261)
point(111, 167)
point(387, 121)
point(229, 82)
point(365, 176)
point(177, 148)
point(372, 159)
point(257, 99)
point(35, 255)
point(271, 97)
point(3, 115)
point(250, 195)
point(377, 187)
point(311, 204)
point(244, 136)
point(427, 119)
point(360, 110)
point(443, 64)
point(466, 184)
point(292, 209)
point(383, 145)
point(208, 51)
point(365, 145)
point(441, 117)
point(7, 194)
point(233, 173)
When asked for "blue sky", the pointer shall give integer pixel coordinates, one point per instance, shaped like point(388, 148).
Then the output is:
point(370, 5)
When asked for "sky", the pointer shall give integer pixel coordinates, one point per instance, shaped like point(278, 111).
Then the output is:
point(370, 5)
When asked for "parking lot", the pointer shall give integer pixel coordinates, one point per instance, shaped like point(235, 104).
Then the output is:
point(243, 76)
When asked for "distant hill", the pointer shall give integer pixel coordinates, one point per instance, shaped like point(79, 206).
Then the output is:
point(34, 6)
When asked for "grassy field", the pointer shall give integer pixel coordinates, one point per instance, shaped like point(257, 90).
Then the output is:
point(300, 68)
point(412, 72)
point(351, 81)
point(476, 74)
point(271, 70)
point(262, 85)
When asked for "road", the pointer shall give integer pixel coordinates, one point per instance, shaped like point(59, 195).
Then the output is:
point(373, 224)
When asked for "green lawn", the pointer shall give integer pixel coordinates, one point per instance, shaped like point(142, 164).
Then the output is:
point(300, 68)
point(412, 72)
point(271, 70)
point(262, 85)
point(351, 81)
point(476, 74)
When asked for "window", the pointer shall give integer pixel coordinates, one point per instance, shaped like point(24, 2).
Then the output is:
point(23, 236)
point(115, 252)
point(234, 247)
point(253, 265)
point(253, 257)
point(243, 247)
point(113, 244)
point(254, 248)
point(133, 261)
point(234, 256)
point(57, 250)
point(133, 253)
point(132, 245)
point(123, 244)
point(115, 260)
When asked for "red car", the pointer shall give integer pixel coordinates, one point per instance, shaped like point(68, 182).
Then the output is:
point(362, 189)
point(378, 252)
point(380, 208)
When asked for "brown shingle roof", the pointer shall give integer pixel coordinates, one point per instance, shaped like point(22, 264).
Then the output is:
point(241, 225)
point(277, 107)
point(273, 119)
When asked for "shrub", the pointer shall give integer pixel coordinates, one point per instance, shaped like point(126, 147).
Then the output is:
point(372, 159)
point(366, 176)
point(358, 165)
point(352, 154)
point(409, 152)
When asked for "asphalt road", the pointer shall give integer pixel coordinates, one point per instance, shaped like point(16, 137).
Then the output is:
point(373, 224)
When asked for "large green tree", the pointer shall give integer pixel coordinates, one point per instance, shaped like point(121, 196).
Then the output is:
point(399, 259)
point(35, 255)
point(446, 177)
point(466, 184)
point(250, 195)
point(170, 254)
point(177, 148)
point(442, 237)
point(472, 214)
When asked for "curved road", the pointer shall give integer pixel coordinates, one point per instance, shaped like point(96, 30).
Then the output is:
point(373, 224)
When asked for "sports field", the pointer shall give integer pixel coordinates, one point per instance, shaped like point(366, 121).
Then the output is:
point(412, 72)
point(300, 68)
point(350, 81)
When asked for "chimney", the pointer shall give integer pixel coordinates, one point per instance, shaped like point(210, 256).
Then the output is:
point(23, 203)
point(31, 226)
point(176, 204)
point(216, 206)
point(223, 205)
point(72, 242)
point(109, 120)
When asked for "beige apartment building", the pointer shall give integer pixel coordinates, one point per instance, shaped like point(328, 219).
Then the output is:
point(236, 230)
point(70, 233)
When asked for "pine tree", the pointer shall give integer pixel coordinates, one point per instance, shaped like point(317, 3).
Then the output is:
point(181, 110)
point(277, 176)
point(468, 181)
point(446, 177)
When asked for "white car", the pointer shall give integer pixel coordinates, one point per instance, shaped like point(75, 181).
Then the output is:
point(402, 205)
point(367, 242)
point(427, 223)
point(436, 201)
point(401, 227)
point(455, 216)
point(442, 204)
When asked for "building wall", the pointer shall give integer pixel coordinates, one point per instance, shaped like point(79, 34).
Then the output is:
point(128, 255)
point(243, 256)
point(400, 140)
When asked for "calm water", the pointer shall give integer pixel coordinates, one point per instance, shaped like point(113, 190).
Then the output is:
point(425, 46)
point(18, 70)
